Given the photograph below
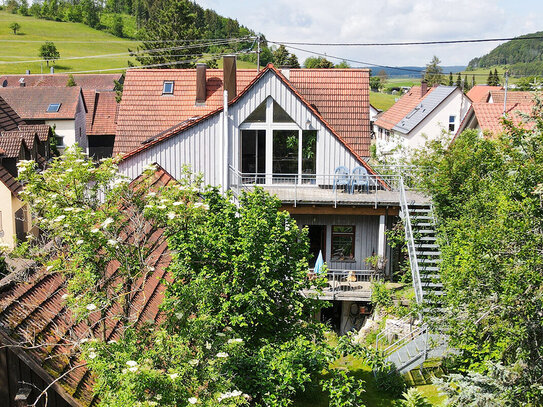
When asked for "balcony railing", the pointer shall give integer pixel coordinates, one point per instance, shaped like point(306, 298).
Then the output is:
point(315, 188)
point(346, 283)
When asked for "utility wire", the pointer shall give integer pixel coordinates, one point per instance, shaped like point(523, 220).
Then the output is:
point(386, 44)
point(420, 72)
point(249, 38)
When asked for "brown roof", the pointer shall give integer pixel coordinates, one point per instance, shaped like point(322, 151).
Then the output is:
point(9, 181)
point(480, 93)
point(401, 108)
point(102, 112)
point(35, 310)
point(512, 97)
point(42, 130)
point(144, 112)
point(489, 115)
point(85, 81)
point(9, 119)
point(11, 144)
point(32, 103)
point(27, 135)
point(340, 96)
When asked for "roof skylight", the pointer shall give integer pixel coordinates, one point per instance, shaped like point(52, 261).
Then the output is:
point(53, 108)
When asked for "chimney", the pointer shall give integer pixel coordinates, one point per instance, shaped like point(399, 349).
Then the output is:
point(201, 91)
point(423, 88)
point(28, 71)
point(229, 72)
point(52, 69)
point(22, 83)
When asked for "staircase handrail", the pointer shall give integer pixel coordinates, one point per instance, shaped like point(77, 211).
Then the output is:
point(401, 342)
point(417, 285)
point(385, 331)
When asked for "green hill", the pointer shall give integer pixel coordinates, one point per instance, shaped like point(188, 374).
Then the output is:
point(73, 40)
point(522, 57)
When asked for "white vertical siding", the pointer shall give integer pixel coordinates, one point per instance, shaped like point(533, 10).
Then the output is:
point(199, 145)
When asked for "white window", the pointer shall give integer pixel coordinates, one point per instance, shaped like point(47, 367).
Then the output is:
point(53, 107)
point(452, 120)
point(167, 88)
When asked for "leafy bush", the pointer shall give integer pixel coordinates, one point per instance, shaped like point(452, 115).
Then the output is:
point(380, 295)
point(413, 398)
point(343, 390)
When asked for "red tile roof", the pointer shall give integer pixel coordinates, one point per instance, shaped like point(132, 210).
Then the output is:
point(11, 144)
point(191, 122)
point(32, 103)
point(512, 97)
point(102, 112)
point(401, 108)
point(42, 130)
point(85, 81)
point(489, 115)
point(342, 98)
point(480, 93)
point(9, 119)
point(27, 136)
point(9, 181)
point(34, 310)
point(145, 112)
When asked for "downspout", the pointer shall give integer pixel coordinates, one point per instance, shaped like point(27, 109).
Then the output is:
point(225, 143)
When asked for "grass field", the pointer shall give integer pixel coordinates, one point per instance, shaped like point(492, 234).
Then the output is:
point(382, 101)
point(72, 40)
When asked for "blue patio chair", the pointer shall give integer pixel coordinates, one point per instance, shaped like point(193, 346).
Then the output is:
point(360, 178)
point(342, 178)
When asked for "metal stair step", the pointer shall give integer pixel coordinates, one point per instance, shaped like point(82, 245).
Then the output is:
point(427, 238)
point(423, 209)
point(427, 246)
point(431, 285)
point(426, 253)
point(425, 224)
point(424, 261)
point(425, 231)
point(433, 293)
point(430, 276)
point(416, 217)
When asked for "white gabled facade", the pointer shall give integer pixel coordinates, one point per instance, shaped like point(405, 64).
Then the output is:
point(209, 150)
point(443, 120)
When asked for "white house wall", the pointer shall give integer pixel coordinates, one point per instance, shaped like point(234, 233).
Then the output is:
point(200, 146)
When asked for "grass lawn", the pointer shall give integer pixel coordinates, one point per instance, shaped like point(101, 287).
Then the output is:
point(402, 81)
point(372, 397)
point(71, 40)
point(382, 101)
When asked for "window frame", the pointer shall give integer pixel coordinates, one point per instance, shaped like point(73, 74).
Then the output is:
point(334, 235)
point(49, 110)
point(164, 84)
point(452, 123)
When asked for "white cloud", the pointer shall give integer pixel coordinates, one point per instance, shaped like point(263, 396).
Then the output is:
point(385, 21)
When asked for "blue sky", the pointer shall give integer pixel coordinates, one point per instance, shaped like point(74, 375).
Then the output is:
point(387, 21)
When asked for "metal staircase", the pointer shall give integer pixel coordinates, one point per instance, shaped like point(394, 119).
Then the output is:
point(411, 349)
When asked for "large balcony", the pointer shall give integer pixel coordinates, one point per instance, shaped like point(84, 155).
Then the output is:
point(326, 189)
point(345, 285)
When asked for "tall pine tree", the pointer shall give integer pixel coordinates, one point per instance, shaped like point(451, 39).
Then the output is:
point(451, 83)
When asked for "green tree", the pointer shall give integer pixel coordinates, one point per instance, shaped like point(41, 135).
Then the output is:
point(488, 192)
point(280, 56)
point(473, 81)
point(23, 8)
point(90, 13)
point(451, 82)
point(433, 74)
point(375, 83)
point(15, 26)
point(343, 65)
point(170, 21)
point(458, 80)
point(466, 83)
point(496, 78)
point(490, 79)
point(318, 63)
point(117, 27)
point(49, 52)
point(71, 81)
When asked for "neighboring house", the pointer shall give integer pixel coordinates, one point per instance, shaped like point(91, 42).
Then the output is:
point(40, 337)
point(99, 97)
point(101, 124)
point(481, 93)
point(62, 108)
point(422, 113)
point(287, 131)
point(18, 141)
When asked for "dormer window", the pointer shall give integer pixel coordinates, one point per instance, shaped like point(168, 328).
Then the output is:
point(53, 108)
point(167, 88)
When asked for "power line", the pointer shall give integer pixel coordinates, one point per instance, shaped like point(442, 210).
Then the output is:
point(249, 38)
point(409, 43)
point(420, 72)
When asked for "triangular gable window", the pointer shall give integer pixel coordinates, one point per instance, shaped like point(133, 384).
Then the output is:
point(279, 115)
point(259, 115)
